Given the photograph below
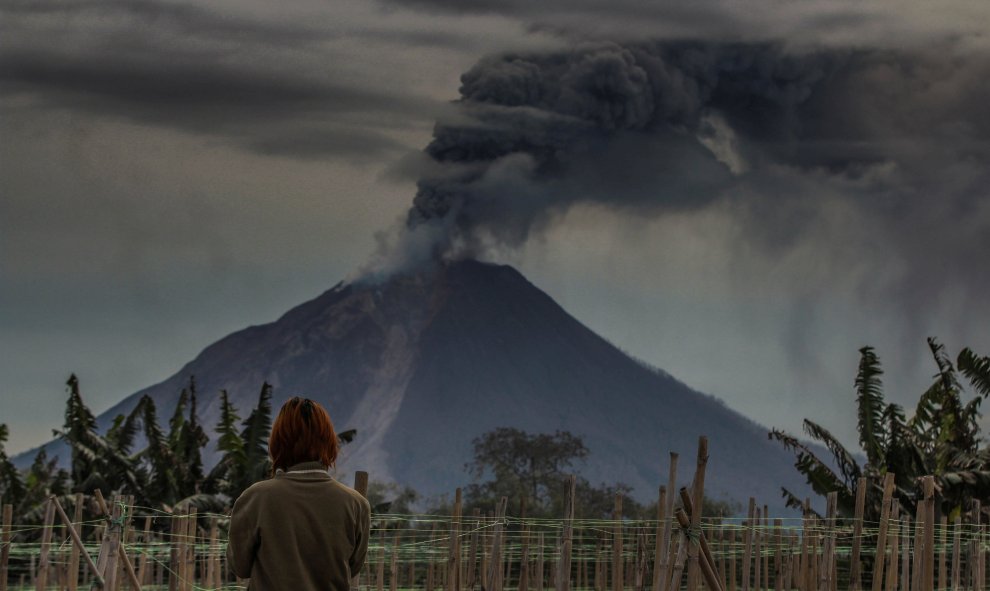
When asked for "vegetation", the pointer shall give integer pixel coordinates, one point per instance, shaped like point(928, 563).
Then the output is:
point(942, 438)
point(167, 472)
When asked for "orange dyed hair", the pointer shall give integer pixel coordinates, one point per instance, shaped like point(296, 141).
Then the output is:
point(302, 432)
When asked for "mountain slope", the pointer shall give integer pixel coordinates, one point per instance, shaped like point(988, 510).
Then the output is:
point(421, 365)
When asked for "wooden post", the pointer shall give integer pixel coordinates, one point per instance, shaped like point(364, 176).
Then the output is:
point(617, 582)
point(778, 563)
point(72, 581)
point(706, 553)
point(757, 549)
point(495, 563)
point(732, 558)
point(77, 541)
point(698, 496)
point(539, 564)
point(663, 555)
point(956, 552)
point(41, 579)
point(563, 578)
point(765, 537)
point(977, 551)
point(211, 564)
point(943, 575)
point(454, 547)
point(380, 567)
point(472, 572)
point(173, 550)
point(854, 562)
point(711, 579)
point(905, 541)
point(748, 543)
point(361, 486)
point(430, 562)
point(659, 554)
point(888, 491)
point(5, 541)
point(928, 562)
point(677, 569)
point(393, 567)
point(892, 541)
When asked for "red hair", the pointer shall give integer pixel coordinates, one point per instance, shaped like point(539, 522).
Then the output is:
point(302, 432)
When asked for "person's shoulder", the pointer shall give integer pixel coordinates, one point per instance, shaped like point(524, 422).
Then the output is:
point(258, 489)
point(352, 495)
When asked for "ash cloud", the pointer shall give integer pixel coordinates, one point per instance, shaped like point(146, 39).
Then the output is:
point(885, 148)
point(683, 125)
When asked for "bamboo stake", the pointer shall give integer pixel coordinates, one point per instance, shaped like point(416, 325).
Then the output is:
point(704, 566)
point(212, 570)
point(454, 555)
point(928, 561)
point(888, 491)
point(905, 541)
point(677, 571)
point(765, 537)
point(393, 568)
point(748, 543)
point(943, 575)
point(892, 556)
point(732, 559)
point(757, 549)
point(662, 565)
point(380, 569)
point(41, 579)
point(978, 554)
point(659, 553)
point(430, 562)
point(854, 562)
point(361, 486)
point(778, 568)
point(706, 553)
point(563, 578)
point(697, 495)
point(5, 542)
point(540, 565)
point(76, 542)
point(617, 582)
point(472, 573)
point(495, 564)
point(919, 550)
point(956, 552)
point(173, 550)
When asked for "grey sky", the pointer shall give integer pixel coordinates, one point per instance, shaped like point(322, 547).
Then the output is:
point(173, 171)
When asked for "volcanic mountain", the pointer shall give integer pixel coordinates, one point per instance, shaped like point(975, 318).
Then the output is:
point(422, 364)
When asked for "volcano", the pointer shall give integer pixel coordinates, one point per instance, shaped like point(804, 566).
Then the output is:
point(424, 363)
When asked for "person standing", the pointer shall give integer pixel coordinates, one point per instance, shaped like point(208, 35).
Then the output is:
point(300, 530)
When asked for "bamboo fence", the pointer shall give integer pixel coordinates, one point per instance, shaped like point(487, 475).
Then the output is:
point(139, 548)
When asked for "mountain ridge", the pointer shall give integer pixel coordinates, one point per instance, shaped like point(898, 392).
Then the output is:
point(422, 364)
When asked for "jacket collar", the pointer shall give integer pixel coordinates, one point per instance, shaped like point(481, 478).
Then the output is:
point(306, 469)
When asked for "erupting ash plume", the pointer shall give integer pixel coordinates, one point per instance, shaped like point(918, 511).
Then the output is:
point(674, 126)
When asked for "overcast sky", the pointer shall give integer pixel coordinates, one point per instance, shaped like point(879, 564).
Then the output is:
point(173, 171)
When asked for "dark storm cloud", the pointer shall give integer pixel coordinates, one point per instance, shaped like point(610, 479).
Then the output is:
point(265, 86)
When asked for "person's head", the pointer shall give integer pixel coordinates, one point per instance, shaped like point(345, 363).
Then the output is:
point(302, 432)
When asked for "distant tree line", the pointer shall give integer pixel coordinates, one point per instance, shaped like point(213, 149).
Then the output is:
point(942, 438)
point(167, 469)
point(166, 472)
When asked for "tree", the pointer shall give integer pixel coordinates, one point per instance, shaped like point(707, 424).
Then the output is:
point(942, 439)
point(12, 489)
point(522, 465)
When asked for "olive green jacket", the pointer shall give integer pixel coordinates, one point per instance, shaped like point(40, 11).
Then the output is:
point(302, 530)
